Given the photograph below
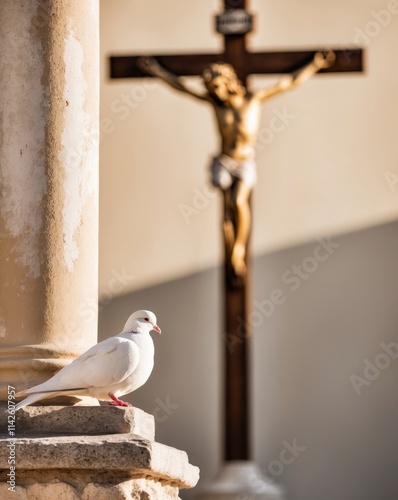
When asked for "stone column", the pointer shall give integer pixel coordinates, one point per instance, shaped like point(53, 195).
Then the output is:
point(49, 93)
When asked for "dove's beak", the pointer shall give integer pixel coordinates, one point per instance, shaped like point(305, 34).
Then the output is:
point(157, 329)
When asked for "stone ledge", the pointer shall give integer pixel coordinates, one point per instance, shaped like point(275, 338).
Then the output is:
point(91, 420)
point(115, 452)
point(82, 488)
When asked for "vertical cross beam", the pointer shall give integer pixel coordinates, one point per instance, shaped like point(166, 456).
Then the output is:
point(236, 383)
point(235, 45)
point(236, 308)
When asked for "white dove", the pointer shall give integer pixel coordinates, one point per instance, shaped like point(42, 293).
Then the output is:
point(111, 368)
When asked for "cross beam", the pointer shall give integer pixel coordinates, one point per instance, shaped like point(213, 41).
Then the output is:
point(255, 63)
point(237, 295)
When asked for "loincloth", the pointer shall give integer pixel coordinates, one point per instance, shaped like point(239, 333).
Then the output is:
point(224, 170)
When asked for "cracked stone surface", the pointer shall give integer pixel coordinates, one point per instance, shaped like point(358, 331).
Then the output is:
point(87, 420)
point(132, 489)
point(90, 453)
point(116, 452)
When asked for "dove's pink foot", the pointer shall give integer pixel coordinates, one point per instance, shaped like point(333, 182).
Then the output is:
point(117, 401)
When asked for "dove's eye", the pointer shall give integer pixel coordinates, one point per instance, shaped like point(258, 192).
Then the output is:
point(146, 319)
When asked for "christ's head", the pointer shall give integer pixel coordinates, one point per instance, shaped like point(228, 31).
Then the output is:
point(221, 81)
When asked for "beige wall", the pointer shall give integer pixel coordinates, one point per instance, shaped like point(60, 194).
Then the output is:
point(323, 173)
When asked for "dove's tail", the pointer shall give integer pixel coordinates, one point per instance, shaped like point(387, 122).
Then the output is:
point(31, 399)
point(36, 396)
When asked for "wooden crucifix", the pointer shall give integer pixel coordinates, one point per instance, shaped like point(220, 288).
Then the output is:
point(233, 171)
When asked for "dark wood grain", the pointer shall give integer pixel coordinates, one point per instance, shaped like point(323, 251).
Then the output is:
point(260, 63)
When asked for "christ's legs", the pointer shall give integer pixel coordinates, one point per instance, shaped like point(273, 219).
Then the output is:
point(242, 193)
point(228, 225)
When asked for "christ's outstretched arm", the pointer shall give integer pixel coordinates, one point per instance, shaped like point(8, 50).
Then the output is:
point(322, 60)
point(151, 66)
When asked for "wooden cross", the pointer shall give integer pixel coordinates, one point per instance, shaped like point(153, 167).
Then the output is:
point(234, 24)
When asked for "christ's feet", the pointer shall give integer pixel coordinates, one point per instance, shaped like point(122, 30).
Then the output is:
point(238, 260)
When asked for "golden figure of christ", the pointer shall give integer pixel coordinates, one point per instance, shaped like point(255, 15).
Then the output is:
point(238, 113)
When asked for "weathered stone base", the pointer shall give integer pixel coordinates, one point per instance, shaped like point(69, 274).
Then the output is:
point(79, 420)
point(78, 485)
point(91, 465)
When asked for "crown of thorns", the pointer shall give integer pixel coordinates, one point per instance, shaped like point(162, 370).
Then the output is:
point(226, 71)
point(219, 69)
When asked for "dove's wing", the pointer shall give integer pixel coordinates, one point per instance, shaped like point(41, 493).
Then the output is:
point(105, 364)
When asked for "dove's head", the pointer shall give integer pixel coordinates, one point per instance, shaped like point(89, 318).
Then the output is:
point(141, 322)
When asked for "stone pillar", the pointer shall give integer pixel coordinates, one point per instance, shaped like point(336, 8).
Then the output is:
point(49, 93)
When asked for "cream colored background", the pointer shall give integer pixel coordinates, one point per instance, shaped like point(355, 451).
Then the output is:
point(324, 173)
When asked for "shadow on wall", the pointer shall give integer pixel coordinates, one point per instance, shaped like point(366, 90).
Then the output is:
point(324, 366)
